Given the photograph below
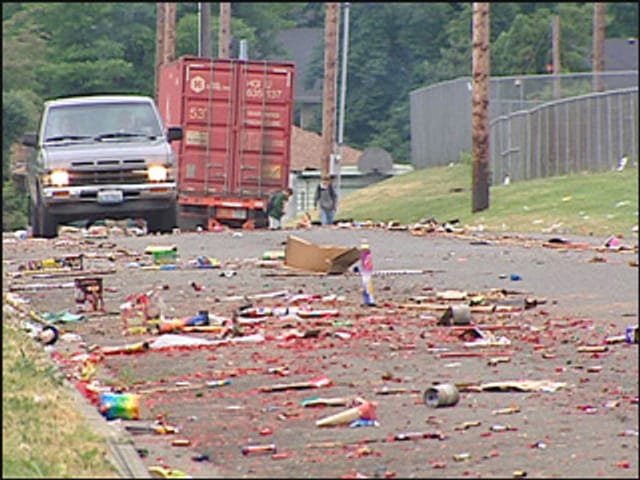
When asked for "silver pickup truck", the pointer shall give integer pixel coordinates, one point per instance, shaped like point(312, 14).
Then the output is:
point(100, 157)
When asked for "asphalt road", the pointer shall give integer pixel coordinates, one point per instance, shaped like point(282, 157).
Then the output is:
point(587, 427)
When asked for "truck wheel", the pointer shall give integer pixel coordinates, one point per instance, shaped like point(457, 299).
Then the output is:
point(34, 220)
point(260, 219)
point(48, 223)
point(163, 221)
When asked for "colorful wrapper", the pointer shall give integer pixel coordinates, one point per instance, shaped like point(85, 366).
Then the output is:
point(120, 405)
point(366, 271)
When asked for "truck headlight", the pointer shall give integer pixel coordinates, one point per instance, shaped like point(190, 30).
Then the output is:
point(59, 178)
point(157, 173)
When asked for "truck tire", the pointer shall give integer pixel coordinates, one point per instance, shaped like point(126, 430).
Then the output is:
point(260, 219)
point(163, 221)
point(34, 220)
point(48, 223)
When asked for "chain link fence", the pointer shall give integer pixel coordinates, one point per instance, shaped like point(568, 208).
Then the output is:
point(541, 125)
point(440, 123)
point(586, 133)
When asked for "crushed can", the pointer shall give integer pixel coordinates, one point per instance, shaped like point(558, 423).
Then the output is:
point(442, 395)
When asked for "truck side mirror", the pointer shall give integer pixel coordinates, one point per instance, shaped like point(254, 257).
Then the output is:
point(174, 133)
point(30, 139)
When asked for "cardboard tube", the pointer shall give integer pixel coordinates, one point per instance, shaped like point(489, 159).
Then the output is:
point(130, 348)
point(346, 416)
point(365, 410)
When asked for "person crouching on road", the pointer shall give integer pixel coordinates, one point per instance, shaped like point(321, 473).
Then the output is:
point(327, 199)
point(276, 212)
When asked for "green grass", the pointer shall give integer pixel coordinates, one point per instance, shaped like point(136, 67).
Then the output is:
point(42, 434)
point(582, 204)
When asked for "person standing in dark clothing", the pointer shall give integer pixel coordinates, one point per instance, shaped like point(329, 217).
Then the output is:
point(327, 199)
point(275, 210)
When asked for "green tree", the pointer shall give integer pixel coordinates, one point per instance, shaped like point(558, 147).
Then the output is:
point(307, 14)
point(576, 41)
point(455, 55)
point(87, 47)
point(187, 34)
point(524, 47)
point(136, 24)
point(267, 19)
point(622, 20)
point(17, 115)
point(23, 52)
point(501, 15)
point(384, 66)
point(14, 207)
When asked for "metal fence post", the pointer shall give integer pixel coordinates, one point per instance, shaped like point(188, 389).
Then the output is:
point(620, 126)
point(566, 137)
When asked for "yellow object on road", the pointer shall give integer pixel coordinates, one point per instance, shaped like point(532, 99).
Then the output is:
point(157, 471)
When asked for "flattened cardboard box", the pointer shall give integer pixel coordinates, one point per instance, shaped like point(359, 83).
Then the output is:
point(304, 255)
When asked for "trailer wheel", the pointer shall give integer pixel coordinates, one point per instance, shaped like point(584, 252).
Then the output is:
point(260, 219)
point(163, 221)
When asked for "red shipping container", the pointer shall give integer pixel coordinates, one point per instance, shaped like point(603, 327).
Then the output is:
point(237, 118)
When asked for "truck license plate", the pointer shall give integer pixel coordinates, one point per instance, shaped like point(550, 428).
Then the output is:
point(110, 196)
point(234, 213)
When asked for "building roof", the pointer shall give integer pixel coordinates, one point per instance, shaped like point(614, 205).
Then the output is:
point(306, 151)
point(301, 43)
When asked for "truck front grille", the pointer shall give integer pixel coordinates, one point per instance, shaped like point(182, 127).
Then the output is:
point(103, 172)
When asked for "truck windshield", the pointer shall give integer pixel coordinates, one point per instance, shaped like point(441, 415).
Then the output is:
point(99, 121)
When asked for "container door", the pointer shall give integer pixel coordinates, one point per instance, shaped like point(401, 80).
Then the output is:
point(263, 127)
point(208, 133)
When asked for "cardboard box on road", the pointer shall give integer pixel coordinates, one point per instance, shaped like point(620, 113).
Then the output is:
point(304, 255)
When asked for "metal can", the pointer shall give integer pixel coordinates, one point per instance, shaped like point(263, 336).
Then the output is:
point(442, 395)
point(456, 315)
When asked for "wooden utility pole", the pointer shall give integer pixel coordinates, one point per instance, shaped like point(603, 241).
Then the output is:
point(165, 37)
point(159, 43)
point(329, 86)
point(555, 49)
point(480, 106)
point(599, 25)
point(169, 32)
point(225, 29)
point(205, 48)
